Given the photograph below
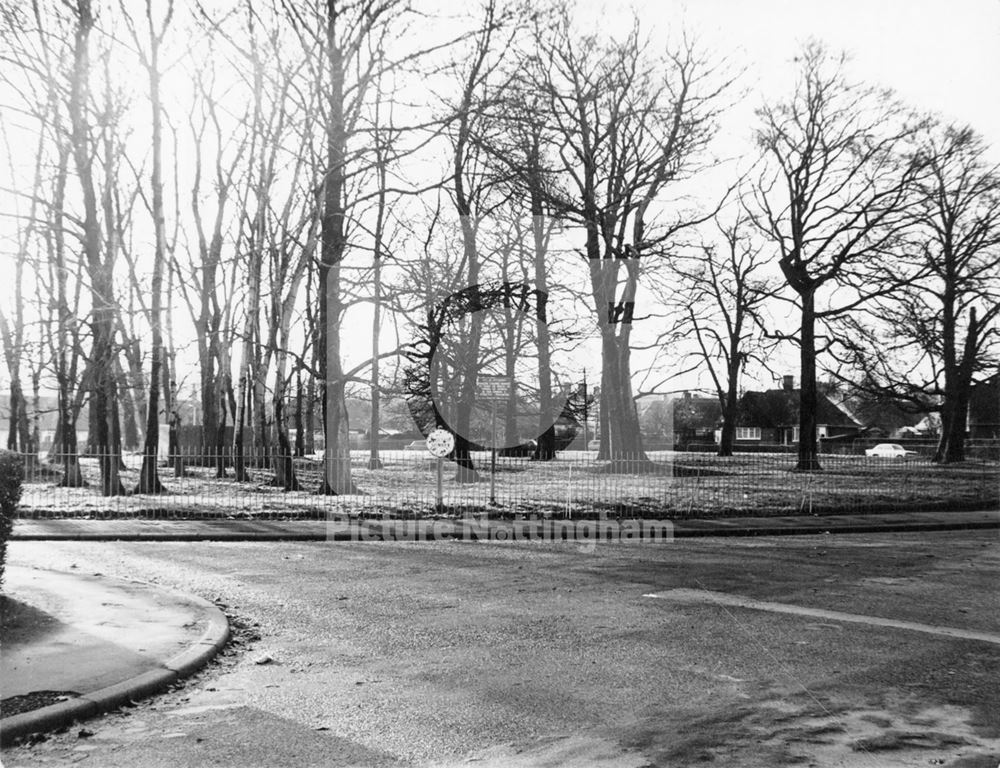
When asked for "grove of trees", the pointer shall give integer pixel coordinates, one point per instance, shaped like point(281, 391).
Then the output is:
point(283, 205)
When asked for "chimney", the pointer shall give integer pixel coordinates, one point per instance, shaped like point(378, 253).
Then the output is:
point(788, 383)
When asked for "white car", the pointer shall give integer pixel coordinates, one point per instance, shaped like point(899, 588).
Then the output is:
point(889, 451)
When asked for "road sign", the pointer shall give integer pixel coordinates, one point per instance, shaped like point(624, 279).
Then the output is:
point(494, 388)
point(440, 442)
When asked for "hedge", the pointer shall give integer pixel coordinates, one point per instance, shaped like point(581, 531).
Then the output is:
point(11, 477)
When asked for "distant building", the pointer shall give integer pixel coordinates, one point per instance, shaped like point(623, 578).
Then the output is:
point(984, 409)
point(772, 417)
point(697, 419)
point(887, 418)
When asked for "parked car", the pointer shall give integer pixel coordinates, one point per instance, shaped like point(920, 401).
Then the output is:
point(594, 445)
point(416, 445)
point(889, 451)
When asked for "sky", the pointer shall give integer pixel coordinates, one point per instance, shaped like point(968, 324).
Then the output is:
point(940, 56)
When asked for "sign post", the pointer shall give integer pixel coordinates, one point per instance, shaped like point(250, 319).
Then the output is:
point(493, 456)
point(494, 389)
point(440, 443)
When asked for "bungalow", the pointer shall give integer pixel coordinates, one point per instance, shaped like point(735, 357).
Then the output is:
point(772, 417)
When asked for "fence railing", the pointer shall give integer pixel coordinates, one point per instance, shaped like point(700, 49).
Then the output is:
point(574, 484)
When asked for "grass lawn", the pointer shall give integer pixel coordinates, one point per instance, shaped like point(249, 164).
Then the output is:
point(678, 485)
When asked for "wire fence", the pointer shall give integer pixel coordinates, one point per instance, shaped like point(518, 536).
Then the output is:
point(404, 484)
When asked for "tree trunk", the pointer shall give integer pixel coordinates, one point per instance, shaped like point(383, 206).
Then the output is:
point(808, 460)
point(261, 429)
point(299, 426)
point(284, 467)
point(730, 402)
point(101, 279)
point(149, 479)
point(545, 450)
point(129, 409)
point(64, 447)
point(951, 446)
point(310, 437)
point(15, 410)
point(72, 476)
point(337, 475)
point(958, 388)
point(239, 421)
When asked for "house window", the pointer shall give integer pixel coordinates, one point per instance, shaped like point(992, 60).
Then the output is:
point(748, 433)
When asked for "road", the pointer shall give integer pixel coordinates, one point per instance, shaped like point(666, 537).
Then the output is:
point(538, 653)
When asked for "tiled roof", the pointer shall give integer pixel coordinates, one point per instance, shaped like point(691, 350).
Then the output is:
point(780, 408)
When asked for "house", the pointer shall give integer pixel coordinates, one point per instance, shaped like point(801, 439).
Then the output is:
point(696, 419)
point(885, 417)
point(680, 421)
point(772, 417)
point(984, 409)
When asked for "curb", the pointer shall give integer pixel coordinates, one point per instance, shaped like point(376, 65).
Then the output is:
point(693, 533)
point(374, 531)
point(177, 667)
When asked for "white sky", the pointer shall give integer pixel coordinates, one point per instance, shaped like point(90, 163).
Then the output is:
point(938, 55)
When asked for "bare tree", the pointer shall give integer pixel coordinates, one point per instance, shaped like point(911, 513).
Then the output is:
point(470, 186)
point(623, 125)
point(517, 150)
point(100, 266)
point(925, 345)
point(722, 291)
point(149, 480)
point(40, 49)
point(12, 329)
point(203, 297)
point(346, 46)
point(832, 201)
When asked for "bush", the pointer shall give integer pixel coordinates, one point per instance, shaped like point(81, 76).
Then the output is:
point(11, 477)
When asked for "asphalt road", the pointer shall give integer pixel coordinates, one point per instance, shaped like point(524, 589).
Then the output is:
point(543, 654)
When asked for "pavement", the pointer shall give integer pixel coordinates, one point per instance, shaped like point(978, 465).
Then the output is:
point(89, 643)
point(493, 529)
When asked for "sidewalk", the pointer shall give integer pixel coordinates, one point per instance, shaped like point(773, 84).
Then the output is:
point(80, 644)
point(339, 529)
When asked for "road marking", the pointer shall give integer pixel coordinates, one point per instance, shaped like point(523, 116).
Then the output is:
point(723, 598)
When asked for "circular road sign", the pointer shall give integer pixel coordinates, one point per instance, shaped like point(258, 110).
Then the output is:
point(440, 443)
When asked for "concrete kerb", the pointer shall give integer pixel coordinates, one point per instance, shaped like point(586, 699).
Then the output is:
point(177, 667)
point(374, 530)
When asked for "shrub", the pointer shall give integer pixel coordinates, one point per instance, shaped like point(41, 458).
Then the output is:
point(11, 477)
